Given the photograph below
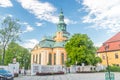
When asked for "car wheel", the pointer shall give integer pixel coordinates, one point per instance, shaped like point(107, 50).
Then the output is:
point(12, 78)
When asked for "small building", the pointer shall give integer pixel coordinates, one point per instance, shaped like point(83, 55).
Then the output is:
point(50, 50)
point(110, 50)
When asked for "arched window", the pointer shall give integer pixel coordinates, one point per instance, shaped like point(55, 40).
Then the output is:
point(33, 58)
point(54, 58)
point(40, 58)
point(36, 58)
point(116, 56)
point(50, 59)
point(62, 58)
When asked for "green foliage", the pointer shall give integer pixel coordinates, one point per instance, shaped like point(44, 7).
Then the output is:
point(114, 68)
point(0, 55)
point(21, 54)
point(0, 59)
point(97, 60)
point(80, 49)
point(9, 31)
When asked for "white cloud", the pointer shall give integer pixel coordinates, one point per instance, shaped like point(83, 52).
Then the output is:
point(98, 44)
point(10, 15)
point(78, 1)
point(29, 28)
point(2, 17)
point(43, 11)
point(38, 24)
point(30, 43)
point(5, 3)
point(103, 14)
point(70, 21)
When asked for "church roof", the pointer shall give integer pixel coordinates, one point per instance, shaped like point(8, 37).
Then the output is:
point(66, 34)
point(59, 44)
point(112, 43)
point(46, 42)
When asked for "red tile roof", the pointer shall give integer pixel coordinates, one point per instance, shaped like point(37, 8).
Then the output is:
point(114, 38)
point(113, 44)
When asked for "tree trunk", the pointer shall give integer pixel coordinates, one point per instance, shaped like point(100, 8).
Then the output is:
point(3, 56)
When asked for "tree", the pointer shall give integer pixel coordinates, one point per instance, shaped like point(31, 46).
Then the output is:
point(80, 50)
point(0, 56)
point(9, 31)
point(21, 54)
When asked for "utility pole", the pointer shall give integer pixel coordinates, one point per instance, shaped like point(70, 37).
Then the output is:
point(106, 46)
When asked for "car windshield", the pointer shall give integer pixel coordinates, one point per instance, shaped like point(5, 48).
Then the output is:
point(3, 71)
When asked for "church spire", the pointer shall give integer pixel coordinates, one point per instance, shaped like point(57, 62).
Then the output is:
point(61, 11)
point(61, 16)
point(61, 26)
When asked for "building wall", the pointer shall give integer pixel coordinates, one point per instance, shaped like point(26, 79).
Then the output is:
point(113, 57)
point(41, 56)
point(59, 37)
point(59, 52)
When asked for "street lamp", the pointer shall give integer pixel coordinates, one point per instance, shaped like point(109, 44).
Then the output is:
point(106, 46)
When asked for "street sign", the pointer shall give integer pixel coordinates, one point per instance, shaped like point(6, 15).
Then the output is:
point(112, 76)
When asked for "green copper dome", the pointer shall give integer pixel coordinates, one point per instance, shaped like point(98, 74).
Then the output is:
point(61, 26)
point(59, 44)
point(46, 42)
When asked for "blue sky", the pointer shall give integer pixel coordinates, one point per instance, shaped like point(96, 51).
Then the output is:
point(99, 19)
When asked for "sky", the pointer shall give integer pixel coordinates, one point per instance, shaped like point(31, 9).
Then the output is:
point(99, 19)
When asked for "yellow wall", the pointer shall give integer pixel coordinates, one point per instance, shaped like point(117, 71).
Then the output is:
point(59, 37)
point(44, 56)
point(59, 58)
point(111, 57)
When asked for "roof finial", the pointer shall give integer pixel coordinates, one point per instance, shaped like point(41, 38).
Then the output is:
point(61, 11)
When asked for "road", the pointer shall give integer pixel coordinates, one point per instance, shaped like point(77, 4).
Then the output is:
point(80, 76)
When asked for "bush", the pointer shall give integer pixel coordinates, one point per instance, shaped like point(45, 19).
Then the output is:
point(115, 68)
point(57, 73)
point(102, 70)
point(85, 71)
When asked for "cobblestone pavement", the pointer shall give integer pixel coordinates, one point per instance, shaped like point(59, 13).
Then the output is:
point(80, 76)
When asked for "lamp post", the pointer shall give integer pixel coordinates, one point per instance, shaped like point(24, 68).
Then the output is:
point(108, 68)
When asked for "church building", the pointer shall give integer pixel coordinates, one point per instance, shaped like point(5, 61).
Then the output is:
point(50, 50)
point(109, 52)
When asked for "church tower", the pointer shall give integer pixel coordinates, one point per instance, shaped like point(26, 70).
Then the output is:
point(61, 34)
point(61, 26)
point(60, 38)
point(51, 49)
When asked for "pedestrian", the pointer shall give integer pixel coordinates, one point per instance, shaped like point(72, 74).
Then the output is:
point(22, 71)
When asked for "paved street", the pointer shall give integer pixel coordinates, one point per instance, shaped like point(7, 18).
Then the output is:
point(80, 76)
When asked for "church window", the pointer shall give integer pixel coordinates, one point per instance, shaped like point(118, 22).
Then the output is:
point(33, 58)
point(40, 58)
point(62, 58)
point(54, 58)
point(116, 56)
point(36, 58)
point(50, 59)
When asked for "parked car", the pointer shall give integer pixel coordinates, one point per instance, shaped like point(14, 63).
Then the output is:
point(5, 75)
